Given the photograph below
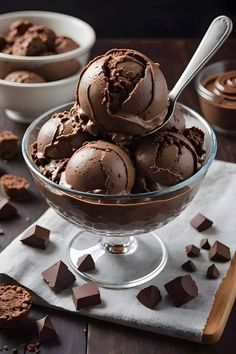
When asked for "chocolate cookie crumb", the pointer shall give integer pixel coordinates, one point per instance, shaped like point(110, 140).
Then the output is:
point(14, 187)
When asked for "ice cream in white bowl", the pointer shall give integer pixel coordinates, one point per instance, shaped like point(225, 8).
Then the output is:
point(25, 101)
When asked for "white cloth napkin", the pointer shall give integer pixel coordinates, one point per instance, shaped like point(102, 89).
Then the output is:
point(216, 199)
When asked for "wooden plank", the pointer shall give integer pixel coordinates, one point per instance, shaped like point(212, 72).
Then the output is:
point(222, 307)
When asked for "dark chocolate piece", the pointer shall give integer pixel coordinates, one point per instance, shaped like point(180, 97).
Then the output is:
point(1, 231)
point(205, 244)
point(8, 145)
point(192, 251)
point(6, 209)
point(189, 266)
point(212, 272)
point(46, 329)
point(86, 295)
point(149, 296)
point(37, 236)
point(182, 289)
point(14, 187)
point(58, 276)
point(219, 252)
point(85, 263)
point(201, 222)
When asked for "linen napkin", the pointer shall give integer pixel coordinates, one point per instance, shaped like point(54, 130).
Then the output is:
point(216, 200)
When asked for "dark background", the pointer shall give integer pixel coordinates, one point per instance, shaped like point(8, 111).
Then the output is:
point(140, 18)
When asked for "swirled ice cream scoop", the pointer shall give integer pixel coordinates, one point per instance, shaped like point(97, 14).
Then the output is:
point(60, 137)
point(122, 91)
point(100, 166)
point(165, 159)
point(223, 86)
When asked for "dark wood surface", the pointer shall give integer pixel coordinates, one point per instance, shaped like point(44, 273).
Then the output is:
point(80, 335)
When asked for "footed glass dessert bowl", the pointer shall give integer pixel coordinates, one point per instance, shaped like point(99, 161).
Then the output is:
point(119, 231)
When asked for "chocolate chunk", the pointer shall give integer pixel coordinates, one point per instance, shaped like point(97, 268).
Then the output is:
point(201, 222)
point(189, 266)
point(46, 329)
point(219, 252)
point(8, 145)
point(192, 251)
point(212, 272)
point(205, 244)
point(58, 276)
point(33, 347)
point(1, 231)
point(14, 187)
point(86, 295)
point(37, 236)
point(6, 209)
point(182, 289)
point(85, 263)
point(149, 296)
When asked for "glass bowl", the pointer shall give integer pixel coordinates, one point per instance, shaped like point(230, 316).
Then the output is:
point(118, 231)
point(222, 116)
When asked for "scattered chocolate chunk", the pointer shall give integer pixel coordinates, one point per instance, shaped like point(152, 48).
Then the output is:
point(86, 295)
point(37, 236)
point(192, 251)
point(1, 231)
point(205, 244)
point(182, 289)
point(6, 209)
point(189, 266)
point(15, 305)
point(149, 296)
point(14, 187)
point(201, 222)
point(85, 263)
point(8, 145)
point(219, 252)
point(212, 272)
point(46, 329)
point(58, 276)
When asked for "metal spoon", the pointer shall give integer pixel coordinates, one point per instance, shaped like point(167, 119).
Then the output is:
point(215, 36)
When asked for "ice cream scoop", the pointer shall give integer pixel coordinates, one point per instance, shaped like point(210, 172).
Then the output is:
point(122, 91)
point(24, 76)
point(18, 28)
point(60, 136)
point(64, 44)
point(28, 45)
point(165, 159)
point(46, 35)
point(100, 166)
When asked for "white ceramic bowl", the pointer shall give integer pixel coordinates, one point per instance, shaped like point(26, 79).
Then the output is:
point(24, 102)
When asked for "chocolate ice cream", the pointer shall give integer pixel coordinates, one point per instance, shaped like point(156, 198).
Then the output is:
point(60, 137)
point(165, 159)
point(17, 29)
point(122, 91)
point(24, 76)
point(100, 167)
point(47, 35)
point(65, 44)
point(27, 39)
point(28, 45)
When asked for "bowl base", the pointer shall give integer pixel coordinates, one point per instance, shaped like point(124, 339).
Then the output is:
point(19, 117)
point(144, 259)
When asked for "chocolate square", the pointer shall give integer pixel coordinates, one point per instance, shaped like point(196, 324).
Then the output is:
point(86, 295)
point(201, 222)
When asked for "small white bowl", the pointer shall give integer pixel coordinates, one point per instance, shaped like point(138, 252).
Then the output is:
point(24, 102)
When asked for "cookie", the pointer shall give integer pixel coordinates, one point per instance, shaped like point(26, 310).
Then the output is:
point(15, 304)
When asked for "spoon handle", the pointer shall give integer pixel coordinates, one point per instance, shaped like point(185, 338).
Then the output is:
point(215, 36)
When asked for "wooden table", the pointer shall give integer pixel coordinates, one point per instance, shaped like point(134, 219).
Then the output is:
point(79, 335)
